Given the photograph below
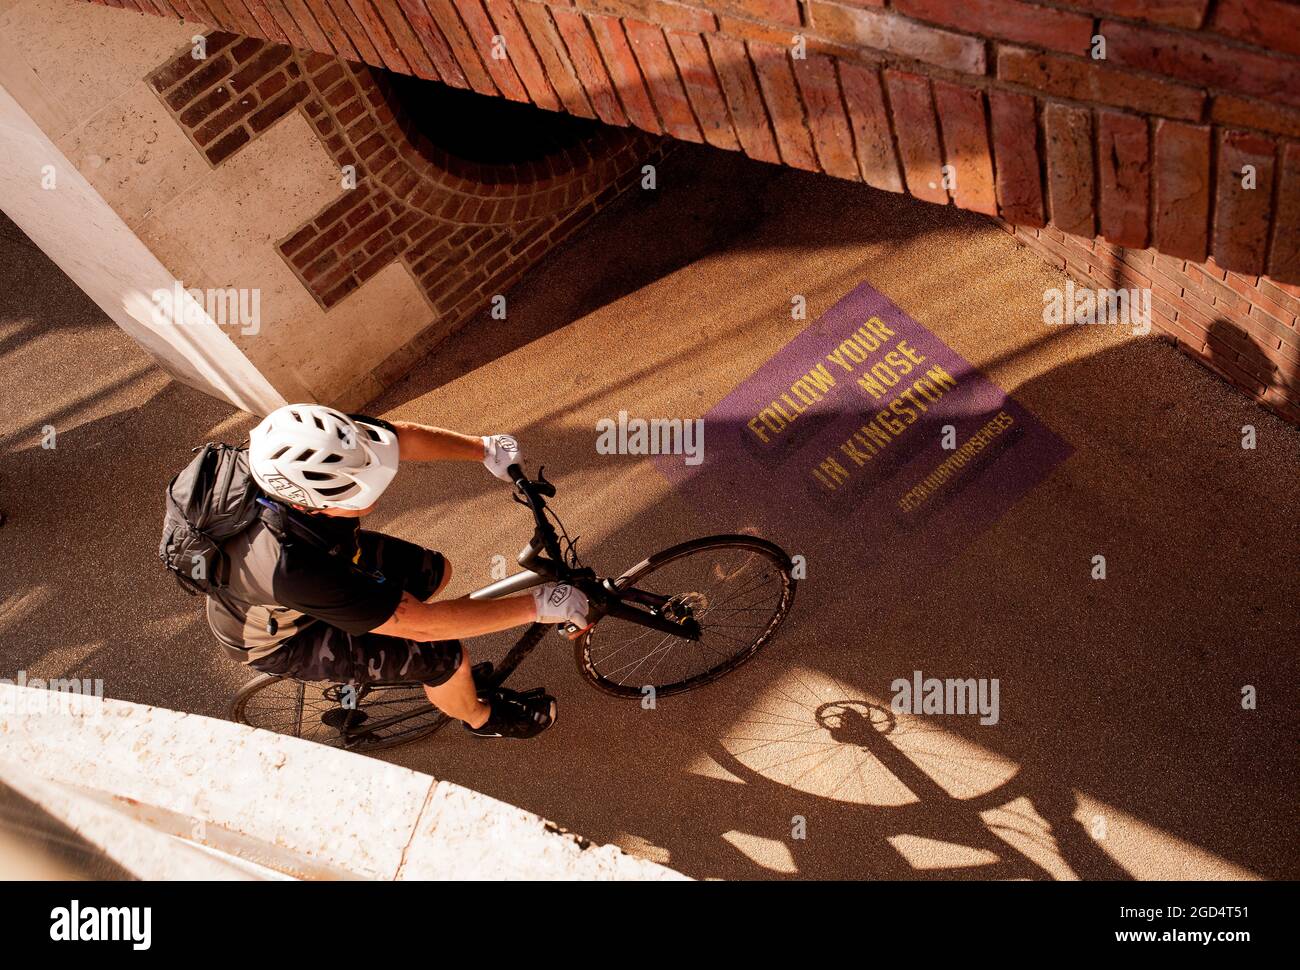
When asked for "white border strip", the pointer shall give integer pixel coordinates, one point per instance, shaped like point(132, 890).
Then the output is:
point(81, 233)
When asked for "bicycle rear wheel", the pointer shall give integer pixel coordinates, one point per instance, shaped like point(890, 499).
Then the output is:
point(739, 588)
point(374, 718)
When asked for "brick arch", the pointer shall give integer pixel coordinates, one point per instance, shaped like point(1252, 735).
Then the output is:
point(1127, 167)
point(435, 182)
point(463, 230)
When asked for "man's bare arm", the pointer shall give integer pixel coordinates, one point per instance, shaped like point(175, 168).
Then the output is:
point(422, 442)
point(453, 619)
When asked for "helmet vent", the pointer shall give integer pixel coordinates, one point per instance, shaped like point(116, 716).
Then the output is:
point(296, 445)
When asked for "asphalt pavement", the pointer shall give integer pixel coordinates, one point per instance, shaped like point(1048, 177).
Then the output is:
point(1122, 748)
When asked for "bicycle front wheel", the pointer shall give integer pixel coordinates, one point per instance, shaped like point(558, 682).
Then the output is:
point(739, 589)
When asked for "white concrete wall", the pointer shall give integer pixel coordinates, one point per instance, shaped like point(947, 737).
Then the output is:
point(169, 795)
point(77, 70)
point(45, 195)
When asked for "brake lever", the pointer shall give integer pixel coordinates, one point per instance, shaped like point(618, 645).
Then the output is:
point(543, 486)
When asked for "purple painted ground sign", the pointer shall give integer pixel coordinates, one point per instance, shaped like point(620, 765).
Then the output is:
point(839, 440)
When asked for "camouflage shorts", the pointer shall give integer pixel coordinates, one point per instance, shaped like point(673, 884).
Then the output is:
point(324, 652)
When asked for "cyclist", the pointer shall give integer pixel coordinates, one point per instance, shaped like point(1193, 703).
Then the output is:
point(356, 607)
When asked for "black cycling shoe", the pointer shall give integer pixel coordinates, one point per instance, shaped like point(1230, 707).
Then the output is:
point(517, 715)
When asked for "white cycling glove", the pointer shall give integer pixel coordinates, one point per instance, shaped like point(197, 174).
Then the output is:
point(560, 603)
point(500, 451)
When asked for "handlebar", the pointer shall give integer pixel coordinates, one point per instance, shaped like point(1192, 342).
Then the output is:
point(540, 487)
point(554, 564)
point(535, 493)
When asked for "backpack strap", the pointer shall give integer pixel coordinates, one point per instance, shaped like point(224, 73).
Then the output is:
point(287, 527)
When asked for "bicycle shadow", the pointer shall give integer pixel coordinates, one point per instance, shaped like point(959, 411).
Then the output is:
point(1122, 694)
point(1123, 712)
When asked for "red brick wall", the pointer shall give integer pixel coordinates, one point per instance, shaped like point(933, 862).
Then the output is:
point(891, 90)
point(465, 231)
point(1144, 148)
point(1242, 327)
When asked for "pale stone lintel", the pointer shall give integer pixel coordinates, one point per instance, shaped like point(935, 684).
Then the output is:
point(87, 239)
point(162, 794)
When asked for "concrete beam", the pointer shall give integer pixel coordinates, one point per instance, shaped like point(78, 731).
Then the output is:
point(50, 200)
point(164, 794)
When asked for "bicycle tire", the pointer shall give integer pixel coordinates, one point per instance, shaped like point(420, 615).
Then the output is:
point(587, 666)
point(239, 707)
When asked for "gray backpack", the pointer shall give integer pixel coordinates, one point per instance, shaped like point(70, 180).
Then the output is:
point(212, 500)
point(215, 499)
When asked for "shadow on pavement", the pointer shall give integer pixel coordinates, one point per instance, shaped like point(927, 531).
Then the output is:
point(1121, 700)
point(1123, 748)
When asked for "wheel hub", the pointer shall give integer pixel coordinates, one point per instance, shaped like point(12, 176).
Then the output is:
point(685, 605)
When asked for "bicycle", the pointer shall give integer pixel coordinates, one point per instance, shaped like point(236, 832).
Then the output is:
point(376, 716)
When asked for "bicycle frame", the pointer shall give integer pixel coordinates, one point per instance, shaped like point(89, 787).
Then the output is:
point(543, 562)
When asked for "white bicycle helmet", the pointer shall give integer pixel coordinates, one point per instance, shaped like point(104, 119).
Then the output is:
point(320, 458)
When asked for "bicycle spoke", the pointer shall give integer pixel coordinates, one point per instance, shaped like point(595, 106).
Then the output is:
point(736, 593)
point(388, 714)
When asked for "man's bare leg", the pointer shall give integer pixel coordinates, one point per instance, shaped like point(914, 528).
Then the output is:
point(456, 696)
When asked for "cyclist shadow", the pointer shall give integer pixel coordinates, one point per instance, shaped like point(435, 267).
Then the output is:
point(939, 834)
point(1112, 691)
point(802, 781)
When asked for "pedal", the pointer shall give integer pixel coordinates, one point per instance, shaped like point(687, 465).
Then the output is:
point(343, 719)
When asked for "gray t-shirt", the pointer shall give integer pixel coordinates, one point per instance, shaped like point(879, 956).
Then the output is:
point(276, 590)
